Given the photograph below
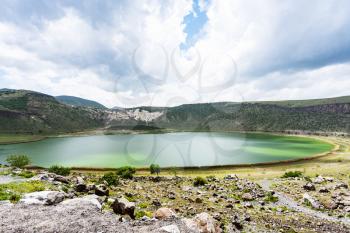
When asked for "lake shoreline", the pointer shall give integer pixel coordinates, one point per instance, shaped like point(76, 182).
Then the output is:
point(334, 148)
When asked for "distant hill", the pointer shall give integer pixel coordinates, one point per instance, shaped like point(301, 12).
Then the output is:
point(24, 111)
point(80, 102)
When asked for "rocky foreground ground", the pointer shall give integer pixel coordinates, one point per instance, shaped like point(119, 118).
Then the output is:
point(82, 203)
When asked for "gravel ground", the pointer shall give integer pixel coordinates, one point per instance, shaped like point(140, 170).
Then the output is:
point(68, 218)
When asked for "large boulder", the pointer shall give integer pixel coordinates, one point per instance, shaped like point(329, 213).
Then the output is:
point(124, 207)
point(164, 213)
point(89, 200)
point(203, 223)
point(43, 198)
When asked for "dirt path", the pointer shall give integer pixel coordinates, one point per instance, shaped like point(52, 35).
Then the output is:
point(284, 200)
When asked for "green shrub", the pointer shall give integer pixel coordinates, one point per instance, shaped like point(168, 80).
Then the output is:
point(139, 214)
point(154, 169)
point(271, 198)
point(111, 178)
point(292, 174)
point(199, 181)
point(26, 174)
point(18, 160)
point(60, 170)
point(143, 205)
point(126, 172)
point(13, 191)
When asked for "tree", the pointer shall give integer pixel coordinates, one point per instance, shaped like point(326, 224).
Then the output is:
point(154, 169)
point(18, 160)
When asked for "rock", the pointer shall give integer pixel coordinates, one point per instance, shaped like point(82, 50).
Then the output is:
point(164, 213)
point(347, 209)
point(61, 179)
point(172, 195)
point(236, 222)
point(247, 197)
point(309, 187)
point(248, 205)
point(312, 201)
point(202, 222)
point(43, 198)
point(329, 204)
point(340, 185)
point(86, 200)
point(199, 200)
point(101, 190)
point(6, 203)
point(323, 190)
point(329, 179)
point(156, 203)
point(80, 185)
point(124, 207)
point(55, 198)
point(170, 229)
point(231, 177)
point(318, 180)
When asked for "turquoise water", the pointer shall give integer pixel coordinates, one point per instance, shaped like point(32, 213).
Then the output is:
point(173, 149)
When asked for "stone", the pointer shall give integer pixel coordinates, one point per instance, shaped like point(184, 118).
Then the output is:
point(61, 179)
point(323, 190)
point(42, 198)
point(170, 229)
point(172, 195)
point(101, 190)
point(312, 201)
point(84, 201)
point(309, 187)
point(156, 203)
point(318, 180)
point(202, 222)
point(237, 223)
point(124, 207)
point(80, 185)
point(341, 185)
point(329, 204)
point(247, 197)
point(164, 213)
point(199, 200)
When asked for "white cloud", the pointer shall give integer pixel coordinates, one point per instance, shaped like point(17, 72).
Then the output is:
point(281, 50)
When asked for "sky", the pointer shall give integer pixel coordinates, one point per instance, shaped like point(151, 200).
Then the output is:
point(163, 53)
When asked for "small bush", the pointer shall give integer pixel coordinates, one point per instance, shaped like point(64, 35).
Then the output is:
point(271, 198)
point(60, 170)
point(292, 174)
point(154, 169)
point(18, 160)
point(26, 174)
point(139, 214)
point(199, 181)
point(111, 178)
point(126, 172)
point(143, 205)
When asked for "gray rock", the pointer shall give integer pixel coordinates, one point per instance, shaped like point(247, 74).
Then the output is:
point(202, 222)
point(309, 187)
point(42, 198)
point(101, 190)
point(312, 201)
point(124, 207)
point(170, 229)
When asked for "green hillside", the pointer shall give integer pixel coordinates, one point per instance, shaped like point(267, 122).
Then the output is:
point(24, 111)
point(79, 102)
point(31, 112)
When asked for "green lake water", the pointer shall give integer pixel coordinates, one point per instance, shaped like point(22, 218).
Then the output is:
point(173, 149)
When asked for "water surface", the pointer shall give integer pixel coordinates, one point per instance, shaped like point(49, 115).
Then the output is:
point(173, 149)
